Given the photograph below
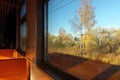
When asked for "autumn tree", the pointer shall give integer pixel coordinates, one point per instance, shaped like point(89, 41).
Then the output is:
point(84, 21)
point(61, 38)
point(65, 39)
point(85, 17)
point(117, 38)
point(51, 40)
point(62, 32)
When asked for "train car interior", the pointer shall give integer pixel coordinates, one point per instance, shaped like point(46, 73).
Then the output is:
point(59, 40)
point(18, 60)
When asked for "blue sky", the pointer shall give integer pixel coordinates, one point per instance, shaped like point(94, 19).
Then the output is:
point(107, 14)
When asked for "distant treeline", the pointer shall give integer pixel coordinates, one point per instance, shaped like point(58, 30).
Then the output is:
point(97, 40)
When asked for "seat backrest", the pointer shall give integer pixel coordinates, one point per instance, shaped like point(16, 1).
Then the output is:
point(14, 69)
point(8, 53)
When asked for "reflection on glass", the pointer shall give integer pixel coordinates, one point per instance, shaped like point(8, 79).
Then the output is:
point(23, 36)
point(23, 10)
point(83, 31)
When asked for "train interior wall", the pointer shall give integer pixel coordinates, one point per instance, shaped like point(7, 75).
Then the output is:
point(8, 32)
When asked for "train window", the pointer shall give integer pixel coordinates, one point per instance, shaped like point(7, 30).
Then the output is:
point(23, 9)
point(23, 26)
point(83, 37)
point(23, 36)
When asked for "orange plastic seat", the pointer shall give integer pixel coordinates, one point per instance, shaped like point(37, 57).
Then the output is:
point(14, 69)
point(6, 53)
point(9, 54)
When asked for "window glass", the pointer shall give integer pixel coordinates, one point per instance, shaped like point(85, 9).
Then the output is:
point(23, 36)
point(45, 30)
point(23, 9)
point(83, 37)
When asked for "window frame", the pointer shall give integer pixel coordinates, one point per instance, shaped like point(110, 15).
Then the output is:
point(42, 60)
